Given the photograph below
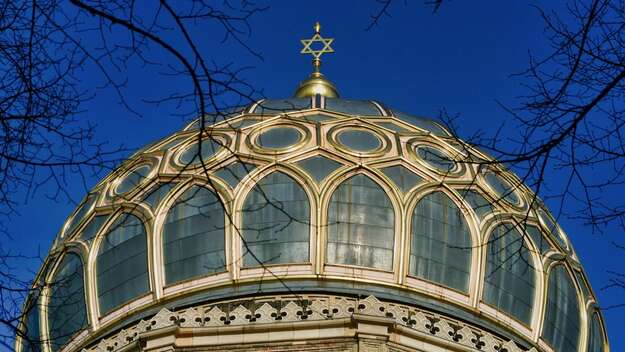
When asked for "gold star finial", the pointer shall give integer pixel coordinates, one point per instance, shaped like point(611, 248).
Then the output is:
point(316, 53)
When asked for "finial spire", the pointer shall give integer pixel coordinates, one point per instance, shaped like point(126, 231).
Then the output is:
point(316, 53)
point(317, 83)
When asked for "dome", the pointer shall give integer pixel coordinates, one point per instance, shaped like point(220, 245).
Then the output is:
point(314, 209)
point(312, 223)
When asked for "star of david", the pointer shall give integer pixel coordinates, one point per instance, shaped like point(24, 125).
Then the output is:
point(317, 38)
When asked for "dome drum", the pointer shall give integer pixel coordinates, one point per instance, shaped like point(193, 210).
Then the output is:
point(307, 205)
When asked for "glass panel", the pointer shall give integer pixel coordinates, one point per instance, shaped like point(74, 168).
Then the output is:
point(82, 211)
point(318, 118)
point(93, 227)
point(276, 222)
point(403, 178)
point(440, 250)
point(509, 281)
point(319, 167)
point(66, 309)
point(352, 107)
point(174, 142)
point(561, 328)
point(502, 188)
point(31, 341)
point(595, 336)
point(194, 236)
point(361, 225)
point(158, 192)
point(436, 158)
point(393, 127)
point(213, 118)
point(359, 140)
point(539, 240)
point(552, 227)
point(133, 179)
point(582, 283)
point(284, 105)
point(481, 206)
point(422, 123)
point(191, 155)
point(242, 123)
point(279, 137)
point(235, 172)
point(122, 264)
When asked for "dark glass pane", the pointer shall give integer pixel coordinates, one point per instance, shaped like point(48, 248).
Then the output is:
point(352, 107)
point(509, 283)
point(235, 172)
point(480, 205)
point(539, 240)
point(156, 195)
point(562, 324)
point(122, 264)
point(403, 178)
point(440, 250)
point(361, 225)
point(552, 227)
point(67, 312)
point(422, 123)
point(436, 158)
point(502, 188)
point(582, 283)
point(191, 156)
point(82, 211)
point(93, 227)
point(174, 142)
point(194, 236)
point(319, 167)
point(31, 341)
point(279, 137)
point(393, 127)
point(276, 222)
point(133, 179)
point(359, 140)
point(317, 118)
point(595, 336)
point(284, 105)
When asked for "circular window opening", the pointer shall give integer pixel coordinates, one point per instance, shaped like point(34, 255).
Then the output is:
point(133, 179)
point(502, 188)
point(196, 153)
point(279, 138)
point(436, 158)
point(359, 140)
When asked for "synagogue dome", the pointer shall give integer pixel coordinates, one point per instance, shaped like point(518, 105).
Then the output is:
point(312, 219)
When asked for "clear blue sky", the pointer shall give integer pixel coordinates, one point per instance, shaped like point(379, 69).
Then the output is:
point(459, 59)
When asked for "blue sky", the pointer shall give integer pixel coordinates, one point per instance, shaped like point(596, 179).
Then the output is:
point(460, 59)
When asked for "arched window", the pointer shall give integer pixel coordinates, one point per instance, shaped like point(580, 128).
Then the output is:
point(595, 336)
point(194, 236)
point(122, 263)
point(66, 309)
point(440, 250)
point(361, 225)
point(510, 275)
point(276, 222)
point(561, 328)
point(31, 339)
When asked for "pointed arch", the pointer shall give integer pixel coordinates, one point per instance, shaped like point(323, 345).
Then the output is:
point(440, 246)
point(361, 225)
point(562, 324)
point(510, 276)
point(66, 308)
point(275, 222)
point(122, 263)
point(194, 240)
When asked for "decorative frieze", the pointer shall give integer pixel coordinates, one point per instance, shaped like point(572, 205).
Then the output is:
point(269, 311)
